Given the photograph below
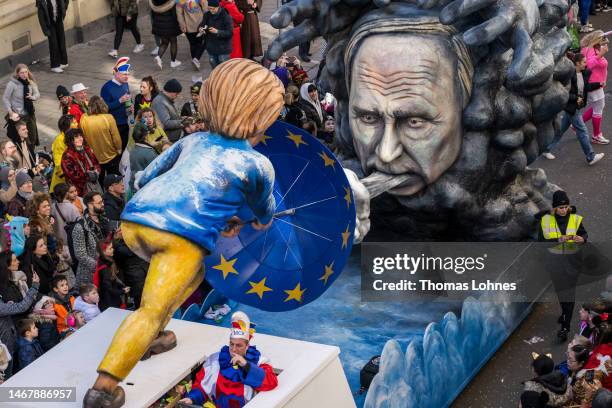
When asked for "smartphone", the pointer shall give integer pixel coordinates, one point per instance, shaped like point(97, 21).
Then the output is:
point(590, 376)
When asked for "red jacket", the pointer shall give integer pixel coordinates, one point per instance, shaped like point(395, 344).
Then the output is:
point(237, 18)
point(599, 360)
point(73, 164)
point(76, 111)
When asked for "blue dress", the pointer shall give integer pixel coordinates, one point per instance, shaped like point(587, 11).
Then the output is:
point(198, 184)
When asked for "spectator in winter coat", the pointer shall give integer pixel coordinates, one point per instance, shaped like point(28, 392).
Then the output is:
point(190, 109)
point(131, 267)
point(189, 15)
point(148, 91)
point(19, 97)
point(36, 259)
point(63, 211)
point(25, 150)
point(231, 377)
point(113, 197)
point(85, 236)
point(548, 380)
point(87, 302)
point(45, 319)
point(17, 206)
point(309, 103)
point(165, 25)
point(149, 130)
point(112, 288)
point(102, 135)
point(58, 148)
point(64, 303)
point(8, 333)
point(79, 162)
point(168, 115)
point(28, 347)
point(64, 98)
point(237, 20)
point(218, 28)
point(141, 155)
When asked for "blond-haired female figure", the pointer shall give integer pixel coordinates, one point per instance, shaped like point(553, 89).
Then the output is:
point(102, 135)
point(19, 96)
point(187, 197)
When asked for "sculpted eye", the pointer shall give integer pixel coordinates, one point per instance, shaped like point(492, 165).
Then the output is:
point(368, 118)
point(416, 123)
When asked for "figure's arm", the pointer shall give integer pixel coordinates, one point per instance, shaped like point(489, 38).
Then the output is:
point(260, 199)
point(161, 164)
point(261, 378)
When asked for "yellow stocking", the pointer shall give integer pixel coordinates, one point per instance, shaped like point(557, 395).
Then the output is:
point(176, 265)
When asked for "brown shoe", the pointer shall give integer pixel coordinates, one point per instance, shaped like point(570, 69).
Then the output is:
point(102, 399)
point(165, 341)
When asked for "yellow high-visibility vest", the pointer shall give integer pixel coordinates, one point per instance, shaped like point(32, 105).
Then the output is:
point(550, 230)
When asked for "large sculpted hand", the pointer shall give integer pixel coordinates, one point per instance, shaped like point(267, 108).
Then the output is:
point(362, 206)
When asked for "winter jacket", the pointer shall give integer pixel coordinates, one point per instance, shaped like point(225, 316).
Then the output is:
point(113, 206)
point(75, 166)
point(85, 250)
point(221, 42)
point(572, 104)
point(8, 333)
point(17, 206)
point(124, 8)
point(165, 23)
point(310, 112)
point(102, 136)
point(237, 20)
point(63, 213)
point(562, 224)
point(110, 290)
point(27, 352)
point(62, 307)
point(13, 96)
point(554, 384)
point(44, 266)
point(155, 137)
point(77, 110)
point(131, 267)
point(45, 20)
point(190, 14)
point(48, 337)
point(58, 148)
point(89, 310)
point(169, 117)
point(140, 157)
point(598, 66)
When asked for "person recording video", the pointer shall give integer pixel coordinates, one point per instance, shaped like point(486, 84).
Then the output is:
point(216, 30)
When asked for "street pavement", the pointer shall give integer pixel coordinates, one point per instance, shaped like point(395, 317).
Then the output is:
point(499, 382)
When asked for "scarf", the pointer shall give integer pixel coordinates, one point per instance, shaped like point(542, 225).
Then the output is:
point(28, 104)
point(25, 196)
point(21, 281)
point(227, 369)
point(162, 8)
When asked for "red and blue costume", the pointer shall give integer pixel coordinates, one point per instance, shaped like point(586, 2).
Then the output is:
point(231, 386)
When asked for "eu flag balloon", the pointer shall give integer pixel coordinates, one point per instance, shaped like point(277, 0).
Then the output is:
point(295, 260)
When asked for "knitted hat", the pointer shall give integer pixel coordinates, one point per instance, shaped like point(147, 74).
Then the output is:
point(22, 178)
point(560, 198)
point(61, 91)
point(213, 3)
point(173, 86)
point(542, 364)
point(242, 328)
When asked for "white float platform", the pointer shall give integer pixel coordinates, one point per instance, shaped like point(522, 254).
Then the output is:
point(311, 373)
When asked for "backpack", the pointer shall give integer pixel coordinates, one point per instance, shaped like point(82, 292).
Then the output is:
point(69, 228)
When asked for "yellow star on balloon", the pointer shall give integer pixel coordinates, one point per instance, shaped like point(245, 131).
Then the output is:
point(265, 138)
point(295, 293)
point(328, 272)
point(226, 266)
point(347, 197)
point(259, 288)
point(345, 236)
point(327, 160)
point(297, 139)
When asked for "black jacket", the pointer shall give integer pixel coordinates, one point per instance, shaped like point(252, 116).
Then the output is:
point(572, 103)
point(45, 20)
point(110, 290)
point(310, 112)
point(165, 24)
point(130, 265)
point(113, 206)
point(221, 42)
point(562, 224)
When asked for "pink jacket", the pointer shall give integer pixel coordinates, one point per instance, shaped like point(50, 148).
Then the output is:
point(597, 65)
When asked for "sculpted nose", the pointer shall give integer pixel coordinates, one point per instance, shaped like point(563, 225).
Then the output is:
point(389, 147)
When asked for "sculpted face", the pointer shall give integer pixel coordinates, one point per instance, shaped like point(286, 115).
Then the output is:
point(405, 108)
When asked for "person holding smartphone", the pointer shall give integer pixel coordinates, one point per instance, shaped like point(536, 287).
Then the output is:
point(217, 30)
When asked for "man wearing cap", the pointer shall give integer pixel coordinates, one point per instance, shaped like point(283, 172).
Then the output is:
point(163, 105)
point(114, 201)
point(190, 109)
point(116, 94)
point(78, 107)
point(217, 27)
point(565, 228)
point(64, 98)
point(233, 376)
point(17, 206)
